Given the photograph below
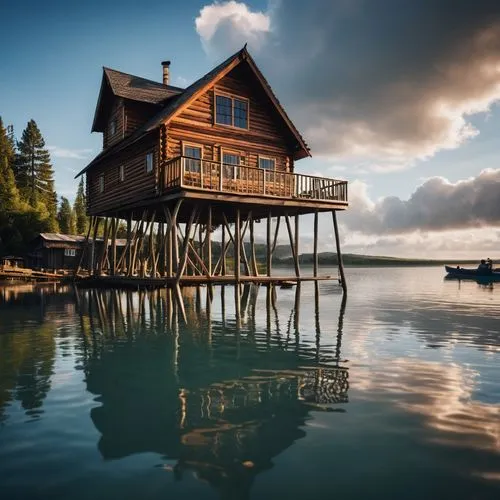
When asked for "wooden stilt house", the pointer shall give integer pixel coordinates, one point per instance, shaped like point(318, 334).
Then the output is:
point(180, 164)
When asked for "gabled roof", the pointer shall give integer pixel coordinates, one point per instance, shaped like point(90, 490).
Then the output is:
point(191, 93)
point(180, 99)
point(139, 89)
point(130, 87)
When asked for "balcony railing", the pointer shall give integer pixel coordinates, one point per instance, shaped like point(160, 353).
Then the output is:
point(208, 175)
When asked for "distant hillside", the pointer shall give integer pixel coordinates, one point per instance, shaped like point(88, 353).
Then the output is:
point(350, 259)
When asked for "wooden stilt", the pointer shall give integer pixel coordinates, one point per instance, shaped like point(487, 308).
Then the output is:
point(208, 240)
point(339, 254)
point(292, 245)
point(315, 252)
point(223, 249)
point(237, 247)
point(113, 246)
point(269, 244)
point(185, 250)
point(92, 266)
point(255, 270)
point(85, 247)
point(297, 233)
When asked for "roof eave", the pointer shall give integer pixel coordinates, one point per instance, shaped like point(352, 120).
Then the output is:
point(104, 82)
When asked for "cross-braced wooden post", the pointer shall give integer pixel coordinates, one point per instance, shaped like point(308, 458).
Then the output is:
point(339, 254)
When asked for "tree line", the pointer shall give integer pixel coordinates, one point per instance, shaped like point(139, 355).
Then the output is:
point(29, 203)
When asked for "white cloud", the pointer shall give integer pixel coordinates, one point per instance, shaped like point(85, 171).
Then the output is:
point(368, 84)
point(225, 27)
point(74, 154)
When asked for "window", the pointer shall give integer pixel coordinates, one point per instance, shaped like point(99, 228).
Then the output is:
point(101, 183)
point(231, 111)
point(224, 110)
point(149, 162)
point(122, 173)
point(240, 113)
point(112, 127)
point(69, 252)
point(229, 159)
point(193, 158)
point(267, 163)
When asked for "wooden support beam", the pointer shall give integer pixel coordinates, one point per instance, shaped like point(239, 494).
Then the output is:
point(237, 248)
point(297, 232)
point(223, 249)
point(85, 247)
point(136, 243)
point(113, 246)
point(185, 250)
point(208, 240)
point(126, 255)
point(292, 245)
point(255, 269)
point(339, 254)
point(315, 251)
point(275, 242)
point(269, 244)
point(175, 252)
point(104, 251)
point(92, 266)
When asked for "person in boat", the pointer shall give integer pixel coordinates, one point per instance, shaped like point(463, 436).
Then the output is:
point(483, 267)
point(489, 263)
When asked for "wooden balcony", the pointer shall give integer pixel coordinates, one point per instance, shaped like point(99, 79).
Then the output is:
point(211, 176)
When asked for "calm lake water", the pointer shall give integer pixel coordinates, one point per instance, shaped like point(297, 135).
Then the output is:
point(107, 394)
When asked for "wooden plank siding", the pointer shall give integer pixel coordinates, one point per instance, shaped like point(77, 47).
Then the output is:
point(265, 136)
point(138, 184)
point(116, 114)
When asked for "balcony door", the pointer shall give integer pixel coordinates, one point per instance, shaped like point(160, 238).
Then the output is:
point(192, 158)
point(231, 163)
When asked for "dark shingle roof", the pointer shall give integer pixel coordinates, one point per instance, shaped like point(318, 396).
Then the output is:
point(139, 89)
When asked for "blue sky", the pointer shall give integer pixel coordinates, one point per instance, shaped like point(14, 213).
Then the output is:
point(341, 72)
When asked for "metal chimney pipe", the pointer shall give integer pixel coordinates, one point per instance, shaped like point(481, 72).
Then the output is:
point(166, 72)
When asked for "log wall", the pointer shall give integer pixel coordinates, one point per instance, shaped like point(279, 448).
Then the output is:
point(117, 114)
point(266, 135)
point(137, 185)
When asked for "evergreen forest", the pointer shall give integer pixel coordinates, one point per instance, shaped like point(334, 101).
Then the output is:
point(29, 203)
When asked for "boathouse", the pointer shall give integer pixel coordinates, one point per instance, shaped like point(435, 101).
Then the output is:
point(56, 251)
point(185, 166)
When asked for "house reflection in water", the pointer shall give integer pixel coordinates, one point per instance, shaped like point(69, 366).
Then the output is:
point(219, 397)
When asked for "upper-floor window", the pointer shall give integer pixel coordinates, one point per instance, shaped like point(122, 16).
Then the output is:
point(101, 183)
point(231, 111)
point(149, 162)
point(122, 173)
point(267, 163)
point(112, 127)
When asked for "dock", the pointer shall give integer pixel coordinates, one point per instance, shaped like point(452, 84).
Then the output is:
point(135, 282)
point(10, 273)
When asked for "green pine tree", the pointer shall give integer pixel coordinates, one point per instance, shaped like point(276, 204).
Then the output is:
point(34, 172)
point(9, 194)
point(65, 217)
point(79, 209)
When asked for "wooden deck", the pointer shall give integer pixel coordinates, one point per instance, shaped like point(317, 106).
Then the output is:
point(11, 273)
point(217, 177)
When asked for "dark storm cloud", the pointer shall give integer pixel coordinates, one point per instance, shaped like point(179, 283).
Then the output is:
point(386, 79)
point(436, 205)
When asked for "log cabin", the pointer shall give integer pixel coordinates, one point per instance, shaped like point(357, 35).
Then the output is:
point(219, 154)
